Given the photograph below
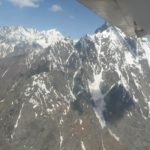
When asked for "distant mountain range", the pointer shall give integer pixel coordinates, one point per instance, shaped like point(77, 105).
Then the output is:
point(57, 94)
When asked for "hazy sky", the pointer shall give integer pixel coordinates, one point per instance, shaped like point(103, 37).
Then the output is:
point(68, 16)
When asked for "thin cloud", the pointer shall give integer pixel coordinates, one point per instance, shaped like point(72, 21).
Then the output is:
point(25, 3)
point(56, 8)
point(71, 17)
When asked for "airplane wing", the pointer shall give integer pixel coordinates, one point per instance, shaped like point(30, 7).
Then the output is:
point(132, 16)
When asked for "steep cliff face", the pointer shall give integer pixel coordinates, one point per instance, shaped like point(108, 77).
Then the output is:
point(119, 84)
point(92, 95)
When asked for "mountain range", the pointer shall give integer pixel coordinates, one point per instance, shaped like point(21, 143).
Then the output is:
point(57, 94)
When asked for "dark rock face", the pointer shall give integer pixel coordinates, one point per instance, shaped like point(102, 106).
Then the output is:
point(90, 96)
point(118, 101)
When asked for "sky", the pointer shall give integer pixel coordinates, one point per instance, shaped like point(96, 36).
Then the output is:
point(67, 16)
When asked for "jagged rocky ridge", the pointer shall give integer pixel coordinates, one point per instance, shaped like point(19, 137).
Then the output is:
point(93, 95)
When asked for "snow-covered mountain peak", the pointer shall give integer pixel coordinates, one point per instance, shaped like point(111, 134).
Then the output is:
point(18, 38)
point(103, 27)
point(22, 34)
